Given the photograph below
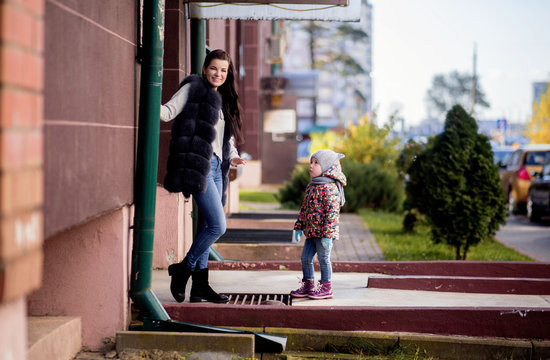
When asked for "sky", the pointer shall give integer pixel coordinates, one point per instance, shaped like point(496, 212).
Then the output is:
point(413, 40)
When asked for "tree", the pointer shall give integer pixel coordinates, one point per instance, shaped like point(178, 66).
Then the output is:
point(327, 52)
point(364, 142)
point(454, 88)
point(455, 184)
point(408, 154)
point(538, 128)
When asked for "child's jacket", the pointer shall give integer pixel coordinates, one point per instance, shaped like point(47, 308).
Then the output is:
point(319, 214)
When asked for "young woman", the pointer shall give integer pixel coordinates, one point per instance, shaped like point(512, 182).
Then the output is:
point(207, 125)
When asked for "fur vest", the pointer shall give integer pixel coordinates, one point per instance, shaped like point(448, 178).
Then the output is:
point(193, 131)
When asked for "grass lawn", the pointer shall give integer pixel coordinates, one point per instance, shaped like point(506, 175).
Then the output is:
point(396, 245)
point(258, 196)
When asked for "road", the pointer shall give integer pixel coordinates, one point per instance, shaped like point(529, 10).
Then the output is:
point(526, 237)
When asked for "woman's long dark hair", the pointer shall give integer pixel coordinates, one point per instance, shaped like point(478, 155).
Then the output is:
point(230, 95)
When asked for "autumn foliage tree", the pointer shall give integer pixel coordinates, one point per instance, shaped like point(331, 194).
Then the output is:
point(538, 128)
point(371, 152)
point(455, 184)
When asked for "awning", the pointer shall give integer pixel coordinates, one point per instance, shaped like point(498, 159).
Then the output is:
point(324, 10)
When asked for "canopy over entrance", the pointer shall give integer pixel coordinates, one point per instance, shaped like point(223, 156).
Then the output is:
point(325, 10)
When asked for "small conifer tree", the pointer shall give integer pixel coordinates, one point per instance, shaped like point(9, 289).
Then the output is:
point(455, 184)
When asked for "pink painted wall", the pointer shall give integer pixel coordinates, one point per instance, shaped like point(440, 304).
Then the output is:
point(87, 276)
point(13, 330)
point(173, 228)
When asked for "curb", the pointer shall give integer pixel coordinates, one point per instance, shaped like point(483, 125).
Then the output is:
point(241, 345)
point(444, 347)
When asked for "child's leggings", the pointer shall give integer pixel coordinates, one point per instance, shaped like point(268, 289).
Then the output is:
point(321, 247)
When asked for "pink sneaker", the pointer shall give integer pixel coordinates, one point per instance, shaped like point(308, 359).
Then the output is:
point(323, 291)
point(304, 290)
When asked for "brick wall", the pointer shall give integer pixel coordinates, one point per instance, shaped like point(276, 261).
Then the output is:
point(21, 146)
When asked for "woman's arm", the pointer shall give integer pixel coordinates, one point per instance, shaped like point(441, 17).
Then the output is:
point(172, 108)
point(234, 156)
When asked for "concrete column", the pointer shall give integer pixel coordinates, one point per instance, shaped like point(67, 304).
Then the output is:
point(88, 276)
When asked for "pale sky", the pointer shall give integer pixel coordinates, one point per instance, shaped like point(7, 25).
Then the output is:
point(415, 39)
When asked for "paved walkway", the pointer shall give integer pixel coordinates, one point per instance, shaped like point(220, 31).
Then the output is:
point(356, 241)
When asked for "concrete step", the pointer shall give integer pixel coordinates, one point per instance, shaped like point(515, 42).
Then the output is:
point(208, 345)
point(319, 344)
point(53, 337)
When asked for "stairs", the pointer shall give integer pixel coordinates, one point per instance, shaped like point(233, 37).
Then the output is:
point(53, 337)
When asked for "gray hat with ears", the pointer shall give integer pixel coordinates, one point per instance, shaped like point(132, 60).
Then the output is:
point(327, 158)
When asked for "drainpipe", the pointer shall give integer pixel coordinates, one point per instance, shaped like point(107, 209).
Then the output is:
point(198, 45)
point(145, 184)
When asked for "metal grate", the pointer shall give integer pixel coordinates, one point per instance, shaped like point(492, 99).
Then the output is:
point(259, 299)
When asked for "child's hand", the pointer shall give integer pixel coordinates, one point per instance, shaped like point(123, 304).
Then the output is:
point(297, 235)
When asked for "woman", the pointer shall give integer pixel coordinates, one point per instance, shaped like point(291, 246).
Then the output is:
point(202, 148)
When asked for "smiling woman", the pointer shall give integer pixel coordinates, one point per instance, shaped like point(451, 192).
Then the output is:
point(202, 148)
point(216, 72)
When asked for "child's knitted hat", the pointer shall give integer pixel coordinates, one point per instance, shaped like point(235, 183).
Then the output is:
point(327, 158)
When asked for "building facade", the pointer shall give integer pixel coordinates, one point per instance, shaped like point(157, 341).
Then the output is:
point(69, 94)
point(339, 99)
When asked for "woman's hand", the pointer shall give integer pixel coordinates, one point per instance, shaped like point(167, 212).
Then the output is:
point(238, 161)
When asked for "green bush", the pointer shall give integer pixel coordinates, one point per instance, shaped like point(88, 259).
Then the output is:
point(369, 186)
point(292, 193)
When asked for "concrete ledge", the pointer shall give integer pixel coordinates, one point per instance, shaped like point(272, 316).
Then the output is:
point(444, 347)
point(257, 252)
point(336, 341)
point(498, 269)
point(230, 344)
point(541, 350)
point(55, 337)
point(514, 323)
point(458, 348)
point(477, 285)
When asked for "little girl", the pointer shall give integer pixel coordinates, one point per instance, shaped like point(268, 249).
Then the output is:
point(318, 220)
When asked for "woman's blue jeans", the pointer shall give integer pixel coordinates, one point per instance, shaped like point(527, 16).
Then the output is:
point(211, 222)
point(321, 247)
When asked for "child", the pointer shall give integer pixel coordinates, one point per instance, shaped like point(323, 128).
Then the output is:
point(318, 220)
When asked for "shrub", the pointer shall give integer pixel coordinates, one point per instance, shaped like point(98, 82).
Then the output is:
point(292, 193)
point(456, 185)
point(369, 186)
point(372, 186)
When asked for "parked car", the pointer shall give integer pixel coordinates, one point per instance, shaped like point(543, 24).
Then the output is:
point(501, 155)
point(516, 176)
point(538, 198)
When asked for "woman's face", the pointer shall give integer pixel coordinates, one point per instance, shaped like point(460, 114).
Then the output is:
point(216, 72)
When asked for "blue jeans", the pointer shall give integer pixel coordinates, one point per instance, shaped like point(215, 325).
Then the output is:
point(211, 222)
point(321, 246)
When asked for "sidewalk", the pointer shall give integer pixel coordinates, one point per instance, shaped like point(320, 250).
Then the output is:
point(356, 244)
point(448, 301)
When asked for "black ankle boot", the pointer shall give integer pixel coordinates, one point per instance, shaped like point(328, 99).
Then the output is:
point(180, 273)
point(201, 290)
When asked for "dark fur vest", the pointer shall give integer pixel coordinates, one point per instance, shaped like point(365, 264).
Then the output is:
point(191, 144)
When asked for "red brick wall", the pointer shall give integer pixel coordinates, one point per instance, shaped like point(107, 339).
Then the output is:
point(90, 117)
point(21, 146)
point(250, 89)
point(176, 65)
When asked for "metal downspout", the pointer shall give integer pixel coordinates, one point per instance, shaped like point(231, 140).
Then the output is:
point(145, 186)
point(198, 45)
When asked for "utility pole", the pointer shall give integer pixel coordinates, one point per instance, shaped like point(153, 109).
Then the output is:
point(474, 82)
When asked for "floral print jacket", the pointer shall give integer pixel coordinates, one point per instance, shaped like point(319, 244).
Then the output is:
point(319, 214)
